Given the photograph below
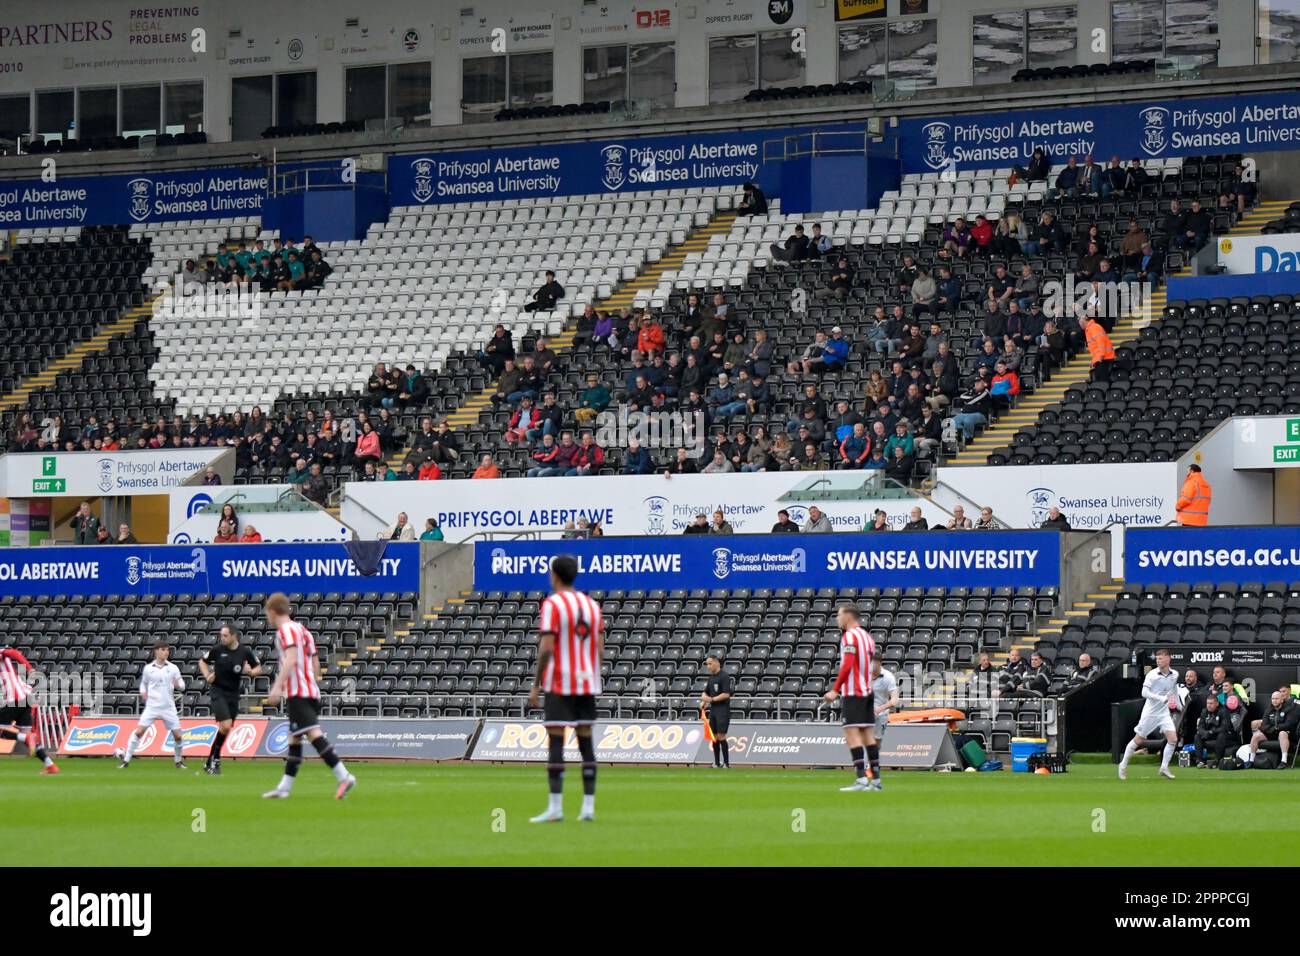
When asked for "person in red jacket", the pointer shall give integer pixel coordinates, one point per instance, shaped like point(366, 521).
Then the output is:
point(651, 337)
point(525, 417)
point(981, 235)
point(430, 471)
point(1005, 386)
point(544, 458)
point(590, 457)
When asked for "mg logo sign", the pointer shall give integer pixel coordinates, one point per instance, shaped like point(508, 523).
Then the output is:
point(241, 738)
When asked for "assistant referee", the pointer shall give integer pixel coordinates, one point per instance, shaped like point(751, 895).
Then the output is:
point(717, 698)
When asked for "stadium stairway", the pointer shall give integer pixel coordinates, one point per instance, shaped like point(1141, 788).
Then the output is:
point(644, 283)
point(1076, 371)
point(1079, 610)
point(76, 357)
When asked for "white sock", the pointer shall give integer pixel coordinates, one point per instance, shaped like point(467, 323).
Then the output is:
point(1250, 757)
point(178, 747)
point(1128, 752)
point(49, 761)
point(1165, 755)
point(285, 784)
point(20, 737)
point(556, 803)
point(864, 779)
point(130, 748)
point(1284, 758)
point(340, 772)
point(588, 803)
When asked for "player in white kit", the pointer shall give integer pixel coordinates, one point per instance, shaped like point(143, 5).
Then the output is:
point(158, 685)
point(1160, 699)
point(884, 691)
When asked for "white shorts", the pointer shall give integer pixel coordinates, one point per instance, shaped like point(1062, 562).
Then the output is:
point(171, 720)
point(1163, 722)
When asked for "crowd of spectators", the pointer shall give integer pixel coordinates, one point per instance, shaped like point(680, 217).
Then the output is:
point(283, 267)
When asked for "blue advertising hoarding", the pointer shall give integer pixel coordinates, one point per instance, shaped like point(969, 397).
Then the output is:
point(206, 569)
point(612, 165)
point(1214, 555)
point(896, 559)
point(1153, 130)
point(122, 200)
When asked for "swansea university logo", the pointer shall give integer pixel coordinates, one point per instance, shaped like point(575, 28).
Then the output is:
point(656, 511)
point(422, 170)
point(938, 141)
point(1040, 503)
point(721, 563)
point(1155, 130)
point(140, 191)
point(105, 475)
point(614, 157)
point(133, 570)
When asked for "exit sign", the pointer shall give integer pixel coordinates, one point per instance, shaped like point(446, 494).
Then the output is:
point(1293, 429)
point(49, 466)
point(49, 486)
point(1286, 454)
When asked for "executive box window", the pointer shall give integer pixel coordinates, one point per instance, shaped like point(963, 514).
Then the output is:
point(739, 64)
point(97, 113)
point(493, 83)
point(1154, 29)
point(280, 99)
point(183, 107)
point(642, 72)
point(55, 114)
point(401, 91)
point(1278, 31)
point(1006, 42)
point(15, 116)
point(906, 51)
point(141, 109)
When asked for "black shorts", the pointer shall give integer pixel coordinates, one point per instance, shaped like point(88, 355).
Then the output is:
point(569, 710)
point(18, 716)
point(224, 704)
point(719, 719)
point(858, 711)
point(304, 714)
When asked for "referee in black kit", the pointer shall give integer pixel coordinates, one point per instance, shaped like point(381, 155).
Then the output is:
point(717, 698)
point(224, 667)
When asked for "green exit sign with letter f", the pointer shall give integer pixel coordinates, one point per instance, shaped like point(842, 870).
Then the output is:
point(48, 466)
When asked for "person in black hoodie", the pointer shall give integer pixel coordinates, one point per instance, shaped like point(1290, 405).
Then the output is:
point(1037, 170)
point(783, 524)
point(794, 249)
point(753, 202)
point(1278, 723)
point(1215, 736)
point(545, 298)
point(1055, 521)
point(1196, 228)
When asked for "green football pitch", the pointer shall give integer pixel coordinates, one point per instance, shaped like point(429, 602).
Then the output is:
point(466, 815)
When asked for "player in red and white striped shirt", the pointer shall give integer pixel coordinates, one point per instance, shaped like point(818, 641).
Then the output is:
point(298, 681)
point(570, 643)
point(16, 705)
point(858, 709)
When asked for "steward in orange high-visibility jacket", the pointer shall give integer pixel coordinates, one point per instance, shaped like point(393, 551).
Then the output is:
point(1193, 504)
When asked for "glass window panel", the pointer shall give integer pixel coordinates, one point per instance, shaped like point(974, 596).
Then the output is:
point(183, 107)
point(862, 53)
point(733, 68)
point(998, 46)
point(363, 93)
point(1192, 29)
point(54, 114)
point(410, 90)
point(604, 73)
point(779, 64)
point(1053, 36)
point(250, 106)
point(653, 74)
point(1137, 29)
point(1279, 31)
point(141, 106)
point(15, 116)
point(914, 52)
point(483, 88)
point(295, 99)
point(97, 113)
point(532, 79)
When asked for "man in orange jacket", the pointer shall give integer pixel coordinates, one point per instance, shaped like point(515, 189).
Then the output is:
point(1101, 353)
point(1193, 505)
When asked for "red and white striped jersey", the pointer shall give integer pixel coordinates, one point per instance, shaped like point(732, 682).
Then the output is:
point(577, 623)
point(856, 650)
point(301, 680)
point(14, 690)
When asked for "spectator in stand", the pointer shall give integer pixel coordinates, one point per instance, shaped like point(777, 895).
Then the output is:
point(1036, 170)
point(1067, 180)
point(839, 281)
point(368, 446)
point(900, 466)
point(719, 465)
point(636, 460)
point(1004, 387)
point(228, 515)
point(884, 335)
point(594, 400)
point(834, 355)
point(720, 524)
point(985, 522)
point(879, 521)
point(318, 270)
point(1027, 288)
point(549, 420)
point(974, 408)
point(1148, 267)
point(1009, 237)
point(547, 296)
point(682, 464)
point(981, 236)
point(1086, 266)
point(1055, 521)
point(947, 292)
point(1046, 237)
point(924, 291)
point(210, 477)
point(906, 275)
point(855, 448)
point(589, 458)
point(225, 534)
point(487, 468)
point(124, 535)
point(316, 488)
point(812, 458)
point(400, 530)
point(1113, 178)
point(544, 459)
point(929, 431)
point(1240, 191)
point(500, 349)
point(817, 523)
point(429, 471)
point(958, 521)
point(432, 531)
point(85, 525)
point(1175, 222)
point(650, 338)
point(1196, 228)
point(819, 245)
point(752, 201)
point(250, 536)
point(1089, 176)
point(783, 524)
point(699, 526)
point(915, 522)
point(1101, 353)
point(956, 238)
point(412, 389)
point(794, 249)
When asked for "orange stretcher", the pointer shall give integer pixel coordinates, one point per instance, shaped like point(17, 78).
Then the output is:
point(933, 715)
